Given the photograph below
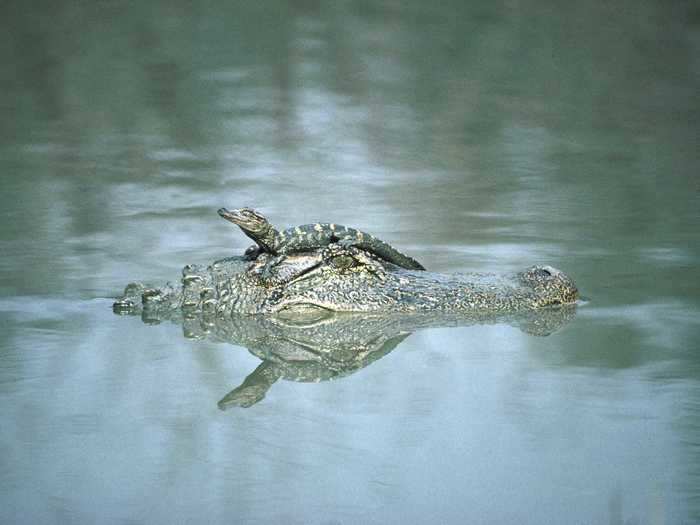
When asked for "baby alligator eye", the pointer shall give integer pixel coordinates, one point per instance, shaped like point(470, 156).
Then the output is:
point(343, 262)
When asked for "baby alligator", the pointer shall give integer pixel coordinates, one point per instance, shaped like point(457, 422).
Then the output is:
point(310, 237)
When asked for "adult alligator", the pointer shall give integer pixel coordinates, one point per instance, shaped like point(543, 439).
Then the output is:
point(309, 237)
point(345, 279)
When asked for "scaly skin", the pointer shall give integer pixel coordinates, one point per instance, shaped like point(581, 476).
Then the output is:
point(346, 279)
point(310, 237)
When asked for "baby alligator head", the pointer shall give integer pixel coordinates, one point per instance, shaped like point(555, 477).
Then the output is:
point(254, 225)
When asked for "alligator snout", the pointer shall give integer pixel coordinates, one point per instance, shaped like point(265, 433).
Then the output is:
point(223, 212)
point(551, 286)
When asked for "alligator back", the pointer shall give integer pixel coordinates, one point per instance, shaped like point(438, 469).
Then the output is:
point(312, 236)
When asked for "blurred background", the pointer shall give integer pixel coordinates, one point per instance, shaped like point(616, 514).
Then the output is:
point(480, 136)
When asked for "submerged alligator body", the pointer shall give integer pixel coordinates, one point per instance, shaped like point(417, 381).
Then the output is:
point(310, 237)
point(346, 279)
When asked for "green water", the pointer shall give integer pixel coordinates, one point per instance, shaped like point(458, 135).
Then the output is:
point(474, 137)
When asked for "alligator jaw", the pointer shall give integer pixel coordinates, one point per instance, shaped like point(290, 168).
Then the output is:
point(231, 216)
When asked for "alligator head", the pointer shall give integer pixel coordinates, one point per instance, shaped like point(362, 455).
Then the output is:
point(254, 225)
point(345, 278)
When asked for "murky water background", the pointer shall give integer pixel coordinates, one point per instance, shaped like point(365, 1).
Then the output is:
point(481, 137)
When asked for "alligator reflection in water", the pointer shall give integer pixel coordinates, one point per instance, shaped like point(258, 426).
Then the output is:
point(332, 345)
point(338, 345)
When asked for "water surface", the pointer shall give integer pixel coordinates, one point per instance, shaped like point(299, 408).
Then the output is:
point(485, 137)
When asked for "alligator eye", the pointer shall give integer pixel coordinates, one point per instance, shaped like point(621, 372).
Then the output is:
point(543, 272)
point(343, 262)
